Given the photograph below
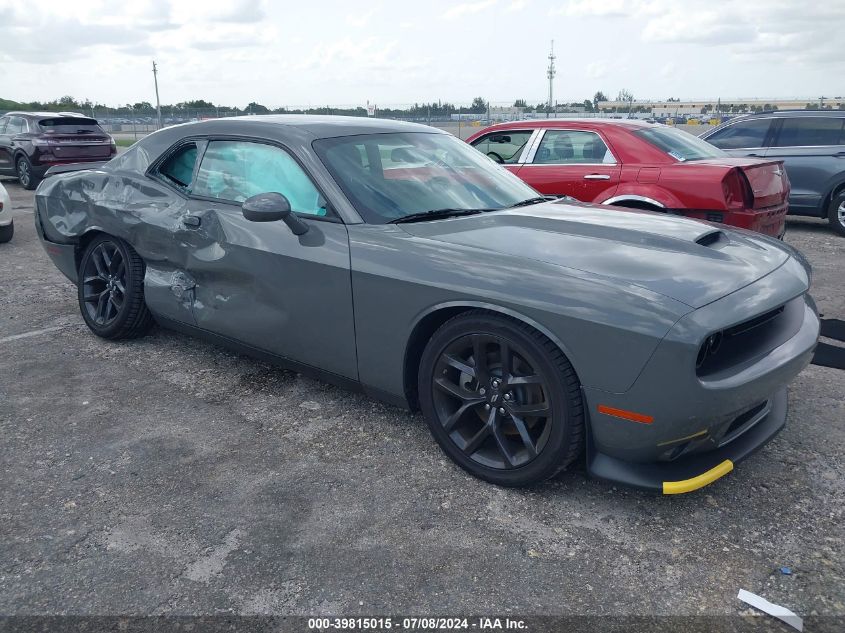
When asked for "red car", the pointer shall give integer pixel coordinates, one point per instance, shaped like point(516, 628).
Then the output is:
point(643, 166)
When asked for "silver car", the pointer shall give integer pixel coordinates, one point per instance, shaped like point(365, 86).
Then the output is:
point(811, 143)
point(395, 259)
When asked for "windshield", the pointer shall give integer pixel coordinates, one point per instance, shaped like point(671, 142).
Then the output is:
point(70, 125)
point(390, 176)
point(680, 145)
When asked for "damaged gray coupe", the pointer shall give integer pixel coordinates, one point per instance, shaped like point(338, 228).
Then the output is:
point(395, 259)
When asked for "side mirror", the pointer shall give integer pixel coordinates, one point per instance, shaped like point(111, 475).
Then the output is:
point(270, 207)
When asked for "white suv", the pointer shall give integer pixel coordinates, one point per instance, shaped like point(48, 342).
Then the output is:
point(7, 228)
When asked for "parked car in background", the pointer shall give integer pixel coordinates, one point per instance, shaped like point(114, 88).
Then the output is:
point(811, 143)
point(32, 142)
point(392, 257)
point(640, 165)
point(7, 226)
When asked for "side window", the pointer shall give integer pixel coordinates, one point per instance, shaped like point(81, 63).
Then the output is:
point(504, 147)
point(3, 121)
point(178, 169)
point(565, 147)
point(15, 125)
point(743, 135)
point(237, 170)
point(811, 131)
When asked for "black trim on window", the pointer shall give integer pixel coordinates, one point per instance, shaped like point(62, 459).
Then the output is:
point(152, 170)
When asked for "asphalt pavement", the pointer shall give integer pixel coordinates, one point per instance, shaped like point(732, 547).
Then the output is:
point(168, 476)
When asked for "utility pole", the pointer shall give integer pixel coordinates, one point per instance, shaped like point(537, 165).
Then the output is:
point(158, 104)
point(550, 73)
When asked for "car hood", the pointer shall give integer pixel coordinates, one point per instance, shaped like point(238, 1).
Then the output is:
point(687, 260)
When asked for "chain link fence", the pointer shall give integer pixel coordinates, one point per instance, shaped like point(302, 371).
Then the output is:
point(129, 123)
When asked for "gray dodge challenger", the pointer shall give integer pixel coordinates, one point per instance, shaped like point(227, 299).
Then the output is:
point(393, 258)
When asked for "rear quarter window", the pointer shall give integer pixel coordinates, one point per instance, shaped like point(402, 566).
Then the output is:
point(679, 145)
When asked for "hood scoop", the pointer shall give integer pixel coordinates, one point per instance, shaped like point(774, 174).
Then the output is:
point(713, 239)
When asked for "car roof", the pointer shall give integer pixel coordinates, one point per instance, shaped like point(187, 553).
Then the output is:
point(318, 126)
point(791, 113)
point(579, 122)
point(293, 130)
point(47, 115)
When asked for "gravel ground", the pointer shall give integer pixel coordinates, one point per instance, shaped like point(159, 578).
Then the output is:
point(167, 476)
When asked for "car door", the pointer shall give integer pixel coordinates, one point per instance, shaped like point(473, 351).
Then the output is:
point(576, 163)
point(813, 151)
point(7, 163)
point(749, 137)
point(506, 147)
point(258, 283)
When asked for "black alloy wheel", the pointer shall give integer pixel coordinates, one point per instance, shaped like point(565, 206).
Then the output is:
point(25, 175)
point(104, 283)
point(111, 291)
point(836, 213)
point(501, 399)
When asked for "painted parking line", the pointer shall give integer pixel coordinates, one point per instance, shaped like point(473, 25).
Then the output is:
point(46, 330)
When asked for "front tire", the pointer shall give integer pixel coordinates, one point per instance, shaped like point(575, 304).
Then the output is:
point(27, 179)
point(501, 399)
point(6, 233)
point(836, 213)
point(111, 290)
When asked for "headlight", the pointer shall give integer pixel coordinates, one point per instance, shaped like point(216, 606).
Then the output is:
point(708, 348)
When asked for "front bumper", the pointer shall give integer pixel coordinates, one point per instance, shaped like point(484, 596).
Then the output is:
point(694, 471)
point(674, 423)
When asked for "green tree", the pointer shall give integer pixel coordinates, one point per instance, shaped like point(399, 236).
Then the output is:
point(479, 106)
point(599, 96)
point(520, 103)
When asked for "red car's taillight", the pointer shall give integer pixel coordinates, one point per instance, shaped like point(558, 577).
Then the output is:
point(737, 190)
point(113, 147)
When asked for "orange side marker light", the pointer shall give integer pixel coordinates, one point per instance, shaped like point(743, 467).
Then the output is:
point(626, 415)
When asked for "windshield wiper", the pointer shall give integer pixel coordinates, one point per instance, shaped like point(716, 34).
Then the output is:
point(438, 214)
point(530, 201)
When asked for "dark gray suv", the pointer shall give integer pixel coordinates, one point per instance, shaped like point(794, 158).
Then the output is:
point(811, 143)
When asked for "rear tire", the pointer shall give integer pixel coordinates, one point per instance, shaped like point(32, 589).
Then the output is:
point(27, 179)
point(111, 290)
point(513, 418)
point(836, 213)
point(6, 233)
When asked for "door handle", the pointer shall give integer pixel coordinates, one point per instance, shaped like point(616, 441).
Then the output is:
point(754, 155)
point(839, 155)
point(191, 220)
point(597, 177)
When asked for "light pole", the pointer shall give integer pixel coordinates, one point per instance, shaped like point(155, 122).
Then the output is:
point(158, 105)
point(550, 73)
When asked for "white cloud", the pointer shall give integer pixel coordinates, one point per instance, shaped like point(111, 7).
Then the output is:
point(596, 8)
point(360, 20)
point(467, 8)
point(335, 52)
point(596, 70)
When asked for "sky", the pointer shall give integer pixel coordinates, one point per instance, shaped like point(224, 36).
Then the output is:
point(326, 52)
